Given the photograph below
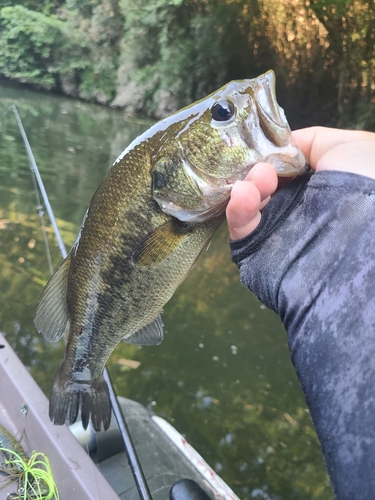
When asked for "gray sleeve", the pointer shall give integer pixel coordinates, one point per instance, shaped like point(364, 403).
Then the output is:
point(312, 261)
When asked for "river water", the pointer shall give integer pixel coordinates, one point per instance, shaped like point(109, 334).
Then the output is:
point(222, 375)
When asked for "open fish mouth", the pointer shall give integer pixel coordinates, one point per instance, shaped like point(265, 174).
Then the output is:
point(267, 130)
point(272, 118)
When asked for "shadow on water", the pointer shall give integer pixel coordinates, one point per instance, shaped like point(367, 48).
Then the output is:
point(222, 376)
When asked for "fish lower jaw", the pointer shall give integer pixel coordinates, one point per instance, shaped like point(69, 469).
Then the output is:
point(288, 165)
point(292, 171)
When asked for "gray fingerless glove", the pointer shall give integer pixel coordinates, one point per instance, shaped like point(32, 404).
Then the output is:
point(312, 260)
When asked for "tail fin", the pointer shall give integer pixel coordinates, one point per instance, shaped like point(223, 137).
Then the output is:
point(69, 396)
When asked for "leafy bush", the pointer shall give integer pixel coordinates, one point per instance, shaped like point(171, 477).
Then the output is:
point(177, 51)
point(36, 48)
point(101, 24)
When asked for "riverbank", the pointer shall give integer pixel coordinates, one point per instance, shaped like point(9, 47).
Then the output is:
point(156, 56)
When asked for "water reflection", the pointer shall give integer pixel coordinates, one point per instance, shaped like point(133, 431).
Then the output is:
point(222, 375)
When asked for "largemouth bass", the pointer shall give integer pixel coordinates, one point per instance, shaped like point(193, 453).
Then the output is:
point(148, 222)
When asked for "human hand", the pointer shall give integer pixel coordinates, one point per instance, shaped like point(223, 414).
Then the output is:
point(324, 149)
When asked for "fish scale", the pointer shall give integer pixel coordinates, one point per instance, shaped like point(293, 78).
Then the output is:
point(148, 222)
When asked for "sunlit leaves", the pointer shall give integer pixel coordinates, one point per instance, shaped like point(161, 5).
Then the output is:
point(35, 48)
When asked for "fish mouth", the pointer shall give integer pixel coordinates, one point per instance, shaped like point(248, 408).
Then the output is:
point(272, 119)
point(287, 165)
point(290, 170)
point(267, 130)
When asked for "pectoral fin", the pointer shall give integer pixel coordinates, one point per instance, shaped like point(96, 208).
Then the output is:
point(51, 317)
point(151, 334)
point(158, 245)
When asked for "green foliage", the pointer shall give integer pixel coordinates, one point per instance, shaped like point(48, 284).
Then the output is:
point(102, 28)
point(46, 7)
point(76, 53)
point(322, 53)
point(84, 7)
point(153, 56)
point(182, 49)
point(36, 48)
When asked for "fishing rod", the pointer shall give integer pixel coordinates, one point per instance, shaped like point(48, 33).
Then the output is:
point(35, 171)
point(134, 463)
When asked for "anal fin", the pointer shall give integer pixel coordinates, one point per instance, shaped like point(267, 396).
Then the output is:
point(151, 334)
point(51, 317)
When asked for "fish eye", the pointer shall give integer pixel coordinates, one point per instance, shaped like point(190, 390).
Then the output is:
point(222, 111)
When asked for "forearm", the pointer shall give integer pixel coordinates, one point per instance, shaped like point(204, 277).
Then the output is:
point(311, 260)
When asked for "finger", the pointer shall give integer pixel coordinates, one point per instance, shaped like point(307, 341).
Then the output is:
point(264, 177)
point(243, 214)
point(248, 197)
point(315, 142)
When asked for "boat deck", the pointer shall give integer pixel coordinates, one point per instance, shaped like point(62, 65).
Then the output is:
point(162, 463)
point(164, 454)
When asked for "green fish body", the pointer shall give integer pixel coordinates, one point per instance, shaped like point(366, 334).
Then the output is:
point(148, 222)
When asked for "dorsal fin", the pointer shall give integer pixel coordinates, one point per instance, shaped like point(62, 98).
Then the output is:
point(151, 334)
point(51, 317)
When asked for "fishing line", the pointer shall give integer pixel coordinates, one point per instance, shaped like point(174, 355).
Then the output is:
point(134, 463)
point(39, 206)
point(40, 183)
point(40, 211)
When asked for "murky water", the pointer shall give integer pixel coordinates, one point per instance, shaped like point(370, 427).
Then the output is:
point(222, 375)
